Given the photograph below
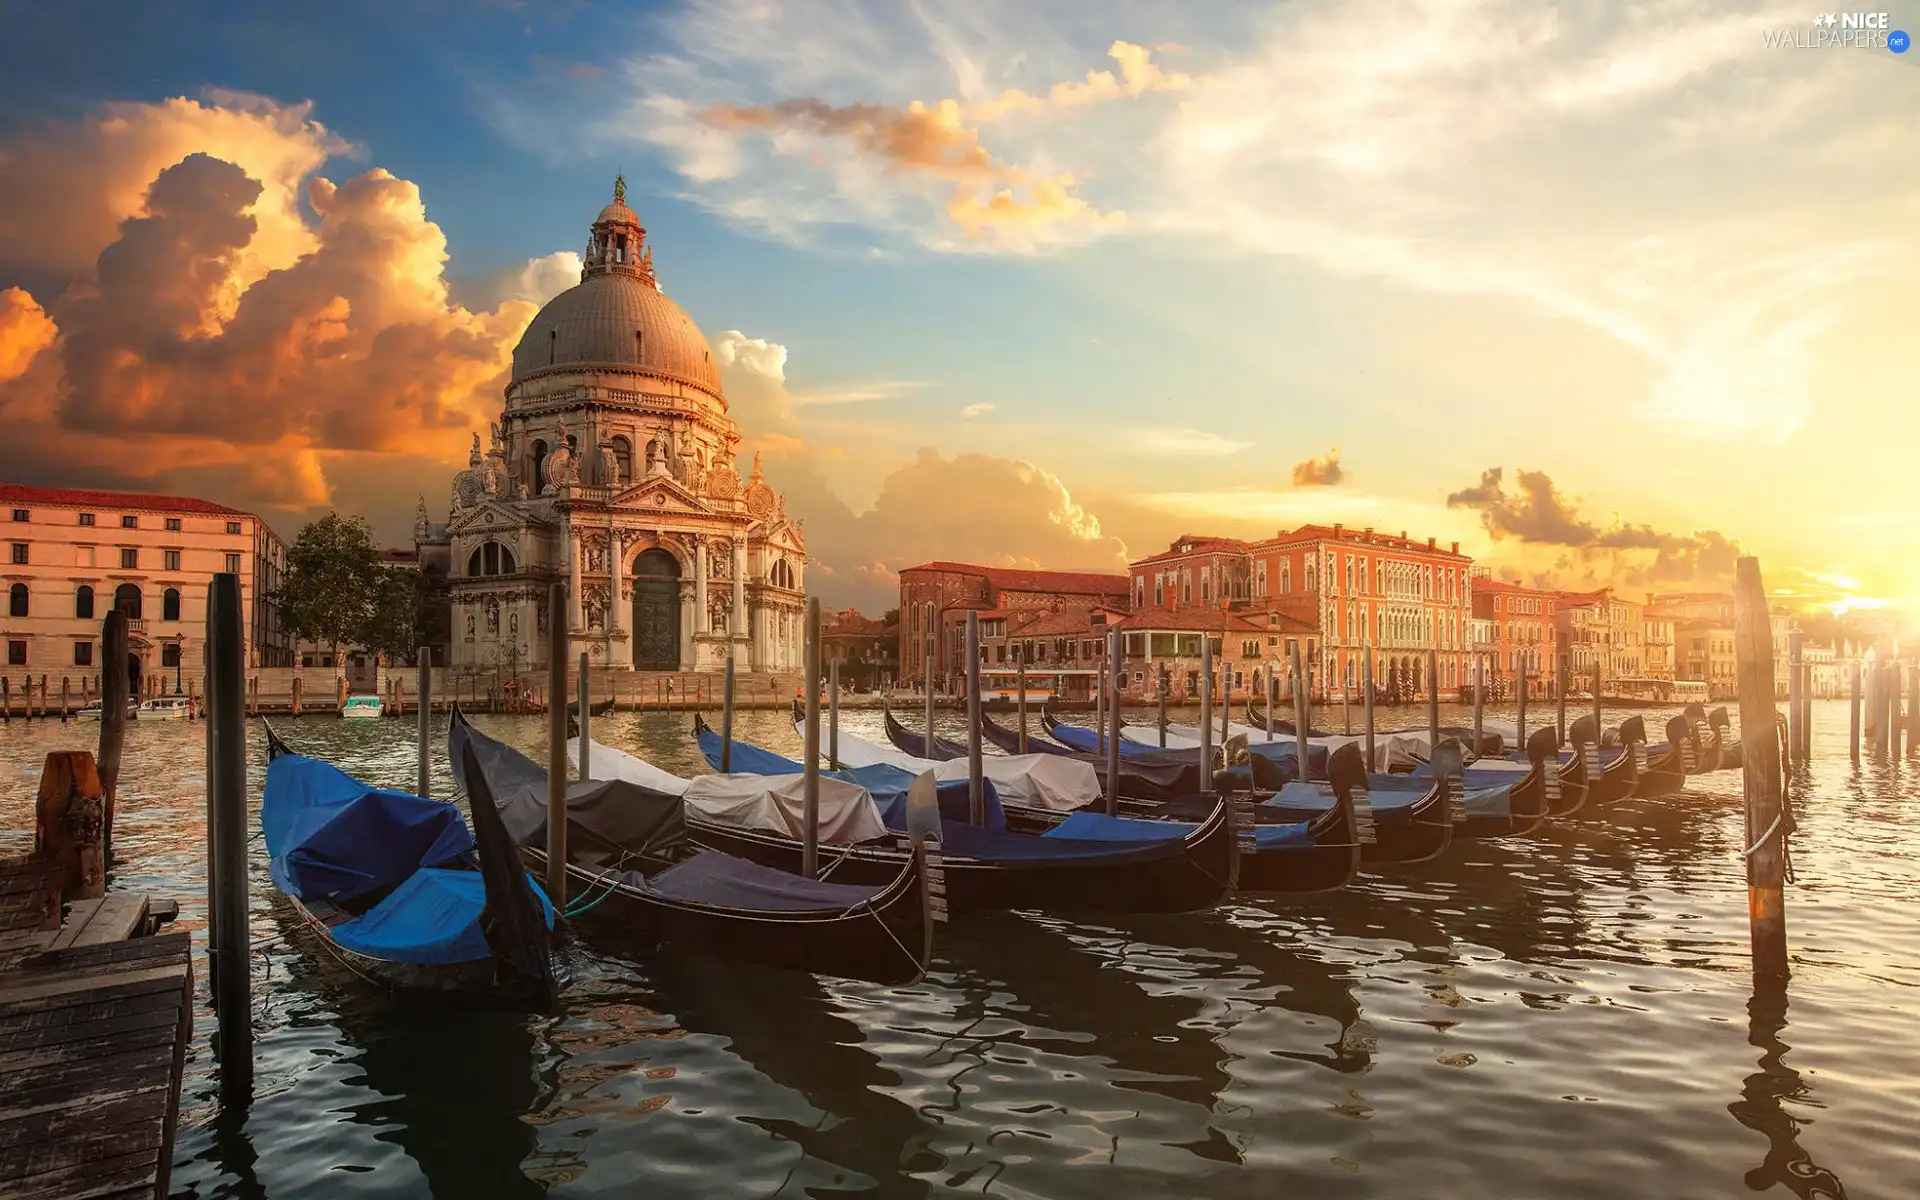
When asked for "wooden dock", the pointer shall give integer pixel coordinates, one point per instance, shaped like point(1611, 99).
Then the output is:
point(95, 1017)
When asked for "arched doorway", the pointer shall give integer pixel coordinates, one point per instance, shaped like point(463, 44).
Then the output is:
point(656, 612)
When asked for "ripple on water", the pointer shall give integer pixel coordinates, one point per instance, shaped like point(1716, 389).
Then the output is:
point(1563, 1015)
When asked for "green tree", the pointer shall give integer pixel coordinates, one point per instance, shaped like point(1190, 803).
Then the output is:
point(393, 620)
point(332, 582)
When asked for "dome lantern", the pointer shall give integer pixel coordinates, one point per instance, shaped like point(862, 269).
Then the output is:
point(618, 243)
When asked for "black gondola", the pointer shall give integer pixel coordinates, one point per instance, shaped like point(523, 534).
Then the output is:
point(640, 883)
point(400, 890)
point(1732, 757)
point(1164, 775)
point(1279, 853)
point(1527, 802)
point(1663, 770)
point(1705, 746)
point(1491, 744)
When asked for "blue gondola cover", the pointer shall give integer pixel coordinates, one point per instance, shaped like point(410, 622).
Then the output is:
point(332, 837)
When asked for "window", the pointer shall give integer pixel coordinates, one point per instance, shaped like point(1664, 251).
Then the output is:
point(86, 518)
point(17, 600)
point(83, 654)
point(129, 522)
point(20, 514)
point(83, 603)
point(233, 563)
point(170, 605)
point(173, 524)
point(126, 598)
point(129, 559)
point(233, 527)
point(172, 558)
point(170, 654)
point(19, 552)
point(17, 653)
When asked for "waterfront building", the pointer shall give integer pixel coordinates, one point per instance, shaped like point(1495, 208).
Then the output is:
point(1249, 649)
point(863, 646)
point(1704, 654)
point(1522, 635)
point(1203, 572)
point(936, 596)
point(612, 468)
point(1657, 632)
point(1359, 588)
point(74, 555)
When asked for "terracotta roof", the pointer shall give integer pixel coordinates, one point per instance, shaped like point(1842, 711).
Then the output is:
point(1192, 620)
point(1053, 624)
point(1579, 599)
point(19, 493)
point(1361, 537)
point(1018, 579)
point(1187, 545)
point(1495, 585)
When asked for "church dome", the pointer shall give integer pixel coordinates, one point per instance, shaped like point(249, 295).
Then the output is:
point(616, 318)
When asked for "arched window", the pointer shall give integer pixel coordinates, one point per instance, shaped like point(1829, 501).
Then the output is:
point(623, 457)
point(490, 558)
point(170, 605)
point(782, 574)
point(17, 600)
point(83, 603)
point(536, 456)
point(126, 599)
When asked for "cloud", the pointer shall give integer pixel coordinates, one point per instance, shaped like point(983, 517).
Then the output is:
point(539, 280)
point(1319, 472)
point(855, 393)
point(971, 411)
point(194, 353)
point(1200, 443)
point(972, 507)
point(25, 331)
point(1138, 76)
point(1537, 514)
point(66, 186)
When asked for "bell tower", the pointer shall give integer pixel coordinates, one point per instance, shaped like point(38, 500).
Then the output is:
point(618, 245)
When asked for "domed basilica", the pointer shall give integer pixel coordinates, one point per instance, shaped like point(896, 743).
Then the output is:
point(612, 467)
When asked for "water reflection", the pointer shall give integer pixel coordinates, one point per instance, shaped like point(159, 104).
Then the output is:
point(1555, 1015)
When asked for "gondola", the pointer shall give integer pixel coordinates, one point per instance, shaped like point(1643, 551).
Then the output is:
point(1567, 788)
point(1296, 853)
point(640, 884)
point(1663, 769)
point(1408, 825)
point(1706, 747)
point(1141, 778)
point(598, 708)
point(1732, 757)
point(1491, 744)
point(1272, 762)
point(401, 891)
point(1506, 809)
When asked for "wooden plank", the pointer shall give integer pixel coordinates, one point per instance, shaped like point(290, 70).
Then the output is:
point(113, 991)
point(171, 947)
point(72, 981)
point(93, 1181)
point(24, 1078)
point(117, 919)
point(33, 1042)
point(79, 915)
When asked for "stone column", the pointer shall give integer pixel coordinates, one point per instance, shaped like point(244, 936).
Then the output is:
point(700, 583)
point(616, 611)
point(572, 542)
point(686, 627)
point(738, 627)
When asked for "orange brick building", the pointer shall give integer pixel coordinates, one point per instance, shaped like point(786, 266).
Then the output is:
point(1360, 588)
point(1523, 634)
point(935, 598)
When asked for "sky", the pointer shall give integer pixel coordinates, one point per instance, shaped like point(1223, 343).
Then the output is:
point(1609, 293)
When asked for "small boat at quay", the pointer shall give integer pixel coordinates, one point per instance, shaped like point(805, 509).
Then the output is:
point(360, 708)
point(641, 884)
point(398, 889)
point(93, 711)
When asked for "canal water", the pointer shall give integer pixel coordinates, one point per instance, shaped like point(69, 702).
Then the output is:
point(1564, 1015)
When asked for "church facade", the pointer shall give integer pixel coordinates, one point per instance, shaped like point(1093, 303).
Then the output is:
point(612, 469)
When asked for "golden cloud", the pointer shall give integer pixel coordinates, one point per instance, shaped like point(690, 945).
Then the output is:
point(217, 342)
point(25, 331)
point(942, 140)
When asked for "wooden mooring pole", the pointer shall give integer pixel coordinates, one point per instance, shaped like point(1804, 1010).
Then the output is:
point(1302, 769)
point(833, 714)
point(1764, 779)
point(229, 958)
point(113, 711)
point(1853, 716)
point(1894, 723)
point(556, 743)
point(810, 795)
point(1796, 681)
point(1913, 710)
point(1115, 673)
point(424, 716)
point(1206, 713)
point(726, 717)
point(1020, 682)
point(976, 777)
point(1366, 705)
point(585, 686)
point(1433, 703)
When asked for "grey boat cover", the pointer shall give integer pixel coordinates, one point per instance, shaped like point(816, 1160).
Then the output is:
point(607, 819)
